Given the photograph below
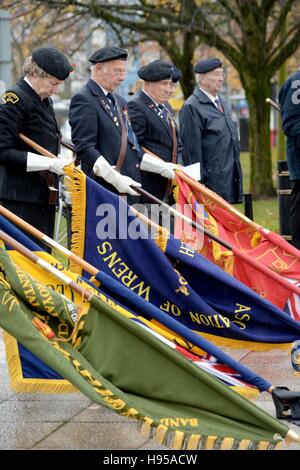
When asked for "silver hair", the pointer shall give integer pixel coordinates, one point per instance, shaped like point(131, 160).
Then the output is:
point(31, 69)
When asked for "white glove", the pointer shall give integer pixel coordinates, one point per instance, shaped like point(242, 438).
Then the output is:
point(122, 183)
point(155, 165)
point(36, 162)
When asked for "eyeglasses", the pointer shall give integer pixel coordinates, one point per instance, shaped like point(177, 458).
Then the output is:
point(169, 83)
point(119, 73)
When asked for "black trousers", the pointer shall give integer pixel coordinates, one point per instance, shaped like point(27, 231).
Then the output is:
point(40, 216)
point(295, 213)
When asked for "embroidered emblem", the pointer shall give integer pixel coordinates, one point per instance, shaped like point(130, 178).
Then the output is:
point(10, 97)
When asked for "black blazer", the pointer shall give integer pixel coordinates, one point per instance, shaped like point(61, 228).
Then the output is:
point(155, 134)
point(24, 112)
point(96, 131)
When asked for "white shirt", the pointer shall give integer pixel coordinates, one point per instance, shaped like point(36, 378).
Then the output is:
point(211, 97)
point(103, 89)
point(27, 81)
point(156, 104)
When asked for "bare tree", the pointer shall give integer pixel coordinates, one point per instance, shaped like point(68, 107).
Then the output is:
point(247, 32)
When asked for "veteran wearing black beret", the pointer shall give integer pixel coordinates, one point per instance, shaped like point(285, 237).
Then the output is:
point(153, 120)
point(104, 139)
point(209, 134)
point(25, 187)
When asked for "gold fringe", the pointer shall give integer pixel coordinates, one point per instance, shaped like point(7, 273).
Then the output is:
point(227, 443)
point(160, 433)
point(146, 430)
point(76, 186)
point(263, 445)
point(278, 446)
point(178, 440)
point(193, 442)
point(175, 192)
point(210, 442)
point(161, 239)
point(20, 384)
point(250, 393)
point(238, 344)
point(244, 444)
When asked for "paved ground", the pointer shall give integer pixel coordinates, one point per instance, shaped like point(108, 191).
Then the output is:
point(72, 421)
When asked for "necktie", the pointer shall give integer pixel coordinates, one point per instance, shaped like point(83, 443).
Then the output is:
point(163, 112)
point(111, 98)
point(219, 105)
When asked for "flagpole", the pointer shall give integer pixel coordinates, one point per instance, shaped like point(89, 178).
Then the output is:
point(238, 253)
point(85, 293)
point(66, 280)
point(246, 258)
point(225, 205)
point(49, 241)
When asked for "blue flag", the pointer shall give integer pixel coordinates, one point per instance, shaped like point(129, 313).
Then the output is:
point(183, 284)
point(30, 374)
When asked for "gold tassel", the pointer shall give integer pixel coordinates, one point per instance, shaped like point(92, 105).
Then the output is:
point(146, 430)
point(76, 186)
point(160, 433)
point(175, 192)
point(227, 443)
point(249, 345)
point(244, 444)
point(278, 446)
point(263, 445)
point(178, 440)
point(193, 442)
point(210, 442)
point(161, 239)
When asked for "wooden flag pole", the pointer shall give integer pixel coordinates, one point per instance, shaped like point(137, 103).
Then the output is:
point(238, 253)
point(36, 146)
point(66, 280)
point(84, 293)
point(225, 205)
point(49, 241)
point(246, 258)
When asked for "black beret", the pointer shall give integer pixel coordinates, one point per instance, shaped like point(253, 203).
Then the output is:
point(52, 61)
point(176, 74)
point(159, 70)
point(108, 53)
point(207, 65)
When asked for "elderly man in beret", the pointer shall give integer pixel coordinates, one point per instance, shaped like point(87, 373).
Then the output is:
point(28, 181)
point(105, 142)
point(153, 122)
point(209, 134)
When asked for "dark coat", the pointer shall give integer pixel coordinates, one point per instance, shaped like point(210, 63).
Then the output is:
point(289, 99)
point(96, 131)
point(210, 137)
point(26, 113)
point(155, 134)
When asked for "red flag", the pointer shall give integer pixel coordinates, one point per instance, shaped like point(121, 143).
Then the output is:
point(263, 246)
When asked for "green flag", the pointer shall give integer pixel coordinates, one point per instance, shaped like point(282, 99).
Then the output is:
point(120, 365)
